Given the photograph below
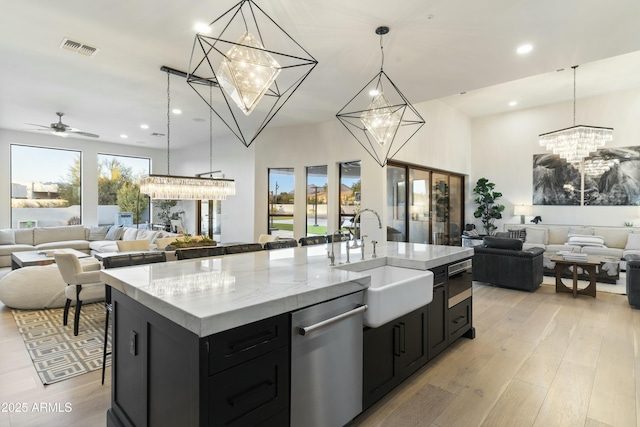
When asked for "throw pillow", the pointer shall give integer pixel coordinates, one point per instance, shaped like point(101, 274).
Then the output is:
point(519, 233)
point(585, 240)
point(163, 242)
point(501, 243)
point(585, 231)
point(536, 235)
point(98, 233)
point(115, 232)
point(8, 237)
point(129, 233)
point(633, 241)
point(132, 245)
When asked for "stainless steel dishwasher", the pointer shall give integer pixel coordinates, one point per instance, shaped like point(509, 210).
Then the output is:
point(326, 362)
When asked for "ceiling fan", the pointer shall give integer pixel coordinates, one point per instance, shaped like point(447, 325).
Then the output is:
point(61, 129)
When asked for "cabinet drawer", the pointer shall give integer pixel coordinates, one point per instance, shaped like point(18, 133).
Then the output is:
point(252, 392)
point(439, 275)
point(229, 348)
point(459, 319)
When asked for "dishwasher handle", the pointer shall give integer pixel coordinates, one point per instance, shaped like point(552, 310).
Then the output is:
point(306, 330)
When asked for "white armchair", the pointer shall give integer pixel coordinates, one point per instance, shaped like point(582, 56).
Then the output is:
point(82, 284)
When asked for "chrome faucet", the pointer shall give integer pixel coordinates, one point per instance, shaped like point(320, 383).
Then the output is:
point(355, 221)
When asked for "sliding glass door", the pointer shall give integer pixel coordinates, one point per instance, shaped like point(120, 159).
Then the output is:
point(428, 207)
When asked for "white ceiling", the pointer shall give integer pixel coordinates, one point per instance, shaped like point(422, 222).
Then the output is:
point(436, 49)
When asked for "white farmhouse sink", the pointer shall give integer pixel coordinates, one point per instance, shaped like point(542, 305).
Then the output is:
point(394, 292)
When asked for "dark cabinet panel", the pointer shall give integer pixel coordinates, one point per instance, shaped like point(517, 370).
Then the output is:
point(161, 372)
point(437, 337)
point(459, 319)
point(235, 346)
point(250, 392)
point(413, 342)
point(380, 346)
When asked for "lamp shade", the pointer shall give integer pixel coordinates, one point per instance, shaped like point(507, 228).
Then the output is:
point(522, 210)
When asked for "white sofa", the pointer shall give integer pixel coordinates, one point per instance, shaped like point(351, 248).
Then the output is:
point(90, 240)
point(615, 242)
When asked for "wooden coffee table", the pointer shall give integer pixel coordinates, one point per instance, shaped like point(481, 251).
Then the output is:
point(31, 258)
point(589, 265)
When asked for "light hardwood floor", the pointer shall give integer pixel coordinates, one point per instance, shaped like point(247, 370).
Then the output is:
point(539, 359)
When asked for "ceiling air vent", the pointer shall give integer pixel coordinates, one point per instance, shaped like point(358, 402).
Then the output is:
point(78, 47)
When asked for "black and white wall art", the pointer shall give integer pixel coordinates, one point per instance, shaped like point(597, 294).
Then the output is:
point(555, 182)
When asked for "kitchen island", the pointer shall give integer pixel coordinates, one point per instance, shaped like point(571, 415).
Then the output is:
point(189, 334)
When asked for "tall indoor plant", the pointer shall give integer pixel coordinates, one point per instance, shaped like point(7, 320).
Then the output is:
point(488, 210)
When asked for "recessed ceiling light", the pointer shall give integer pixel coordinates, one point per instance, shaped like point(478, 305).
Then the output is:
point(513, 104)
point(201, 27)
point(524, 49)
point(144, 126)
point(176, 111)
point(123, 136)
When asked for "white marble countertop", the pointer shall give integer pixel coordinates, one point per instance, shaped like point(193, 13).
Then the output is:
point(210, 295)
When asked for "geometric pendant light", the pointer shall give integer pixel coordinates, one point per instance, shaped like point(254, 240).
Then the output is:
point(172, 187)
point(255, 65)
point(577, 142)
point(379, 116)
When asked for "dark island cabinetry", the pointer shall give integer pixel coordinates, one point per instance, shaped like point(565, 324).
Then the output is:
point(394, 351)
point(165, 375)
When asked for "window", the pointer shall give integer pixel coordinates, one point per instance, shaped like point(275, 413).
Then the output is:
point(350, 192)
point(210, 214)
point(316, 200)
point(119, 197)
point(281, 198)
point(435, 208)
point(45, 187)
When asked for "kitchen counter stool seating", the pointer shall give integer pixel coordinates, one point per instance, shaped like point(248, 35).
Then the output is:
point(279, 244)
point(243, 247)
point(82, 285)
point(202, 252)
point(124, 260)
point(312, 240)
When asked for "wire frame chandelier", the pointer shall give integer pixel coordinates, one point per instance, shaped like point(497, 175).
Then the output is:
point(255, 65)
point(577, 142)
point(379, 116)
point(172, 187)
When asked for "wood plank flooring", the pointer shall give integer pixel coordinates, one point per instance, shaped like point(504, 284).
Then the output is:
point(539, 359)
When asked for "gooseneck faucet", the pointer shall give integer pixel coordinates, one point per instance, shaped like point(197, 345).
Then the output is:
point(355, 221)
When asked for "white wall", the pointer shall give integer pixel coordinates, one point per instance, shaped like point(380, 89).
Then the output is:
point(443, 143)
point(504, 145)
point(90, 150)
point(236, 162)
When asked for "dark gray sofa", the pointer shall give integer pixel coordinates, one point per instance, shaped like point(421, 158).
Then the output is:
point(502, 262)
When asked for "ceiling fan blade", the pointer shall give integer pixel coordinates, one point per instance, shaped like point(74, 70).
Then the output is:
point(79, 132)
point(42, 126)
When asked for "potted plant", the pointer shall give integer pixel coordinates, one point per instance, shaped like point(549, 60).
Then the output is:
point(488, 210)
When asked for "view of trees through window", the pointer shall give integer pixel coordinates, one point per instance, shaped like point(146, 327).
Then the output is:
point(317, 200)
point(350, 192)
point(45, 187)
point(281, 196)
point(119, 189)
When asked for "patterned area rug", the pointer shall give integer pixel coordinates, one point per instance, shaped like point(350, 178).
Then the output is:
point(56, 353)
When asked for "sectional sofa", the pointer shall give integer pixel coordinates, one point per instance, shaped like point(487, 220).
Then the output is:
point(611, 242)
point(89, 240)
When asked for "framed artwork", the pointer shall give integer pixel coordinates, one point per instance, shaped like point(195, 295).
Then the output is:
point(616, 183)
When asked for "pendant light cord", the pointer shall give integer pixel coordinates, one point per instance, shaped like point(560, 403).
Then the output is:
point(210, 129)
point(574, 94)
point(382, 52)
point(168, 119)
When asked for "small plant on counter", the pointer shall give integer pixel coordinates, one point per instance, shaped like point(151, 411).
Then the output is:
point(628, 223)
